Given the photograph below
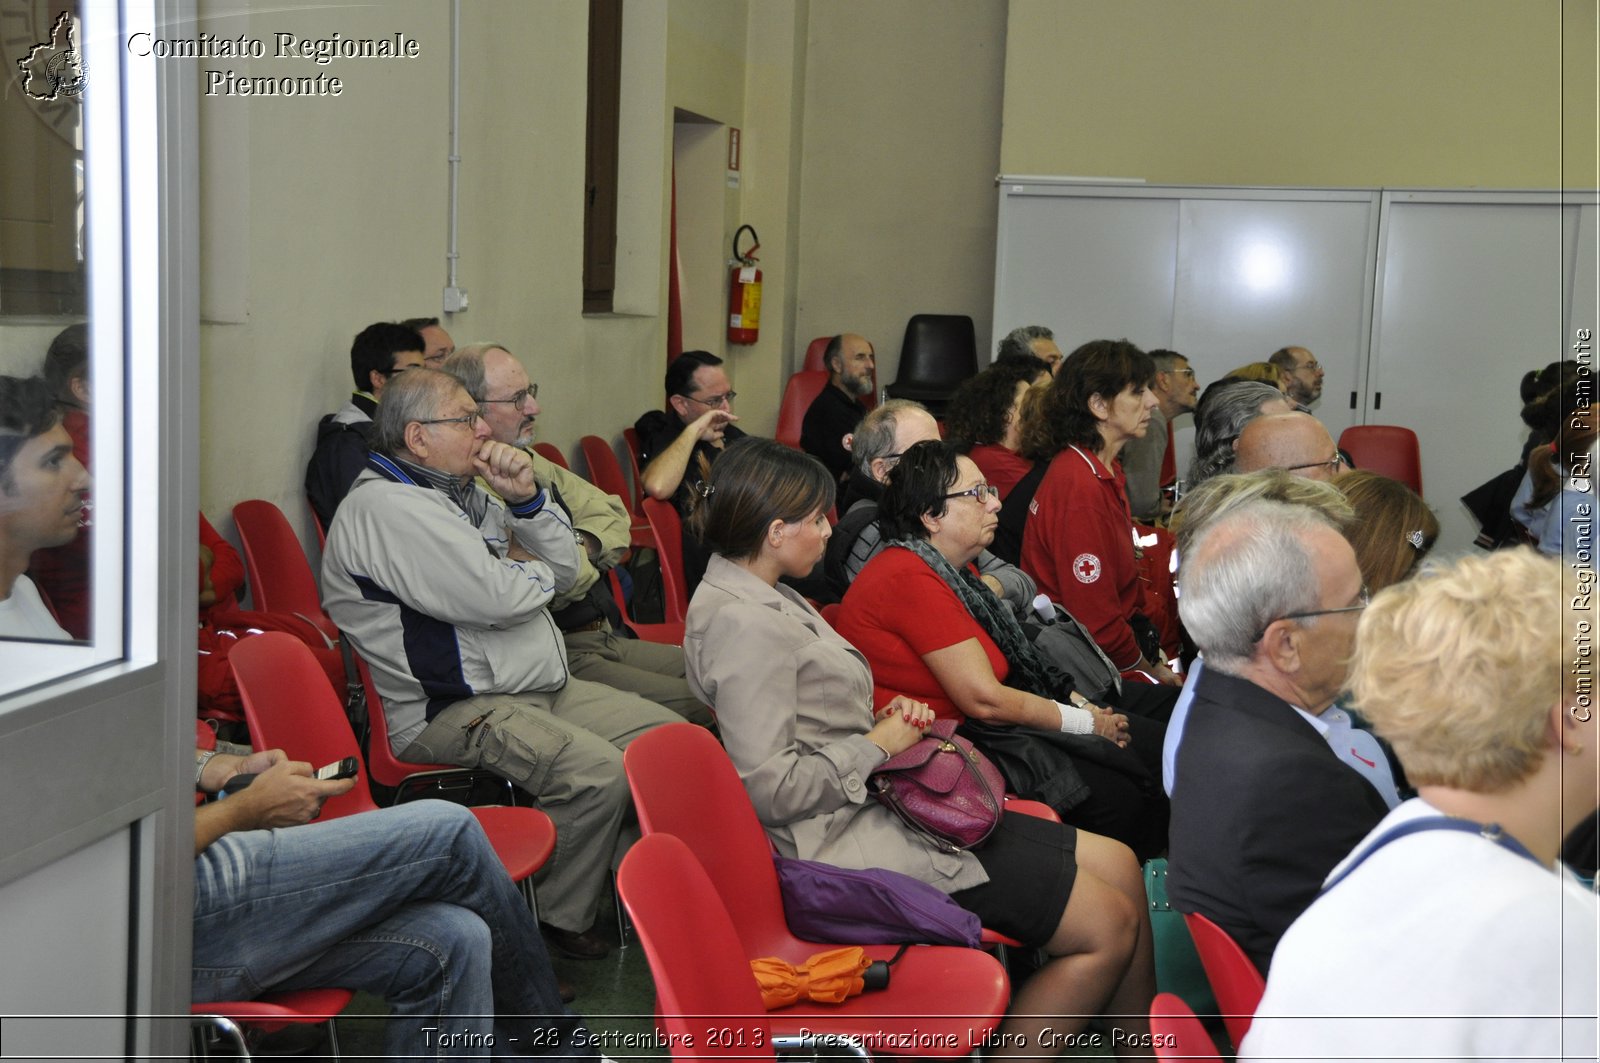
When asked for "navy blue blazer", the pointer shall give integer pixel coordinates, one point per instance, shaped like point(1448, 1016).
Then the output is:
point(1262, 811)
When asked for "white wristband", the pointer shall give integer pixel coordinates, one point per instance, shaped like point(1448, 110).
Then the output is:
point(1075, 721)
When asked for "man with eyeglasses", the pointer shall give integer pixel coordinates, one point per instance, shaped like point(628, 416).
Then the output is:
point(1303, 373)
point(598, 648)
point(1149, 462)
point(1262, 807)
point(444, 588)
point(833, 415)
point(380, 352)
point(883, 435)
point(439, 345)
point(678, 445)
point(1296, 441)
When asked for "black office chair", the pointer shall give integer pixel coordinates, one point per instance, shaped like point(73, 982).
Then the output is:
point(939, 352)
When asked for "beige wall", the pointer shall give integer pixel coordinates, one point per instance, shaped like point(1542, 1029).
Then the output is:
point(329, 214)
point(902, 139)
point(1433, 93)
point(347, 208)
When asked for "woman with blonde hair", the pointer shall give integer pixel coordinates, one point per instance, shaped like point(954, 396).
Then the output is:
point(1262, 372)
point(1393, 530)
point(1451, 931)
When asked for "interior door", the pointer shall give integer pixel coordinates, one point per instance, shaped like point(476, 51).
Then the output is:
point(96, 871)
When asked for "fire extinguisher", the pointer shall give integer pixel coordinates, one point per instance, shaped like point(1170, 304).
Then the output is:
point(744, 291)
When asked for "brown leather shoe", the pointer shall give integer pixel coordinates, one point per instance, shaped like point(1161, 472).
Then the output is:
point(568, 994)
point(585, 946)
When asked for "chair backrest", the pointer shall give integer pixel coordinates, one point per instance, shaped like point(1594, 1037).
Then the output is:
point(1386, 449)
point(604, 472)
point(386, 768)
point(1234, 979)
point(696, 957)
point(630, 441)
point(667, 529)
point(290, 705)
point(280, 576)
point(684, 785)
point(798, 395)
point(551, 453)
point(939, 350)
point(814, 351)
point(1176, 1032)
point(316, 522)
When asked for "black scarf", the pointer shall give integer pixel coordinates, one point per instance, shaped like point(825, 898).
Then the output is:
point(1029, 670)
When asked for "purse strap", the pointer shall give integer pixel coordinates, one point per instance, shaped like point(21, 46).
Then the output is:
point(1489, 831)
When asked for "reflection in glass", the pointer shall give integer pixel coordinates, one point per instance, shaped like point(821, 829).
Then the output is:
point(43, 495)
point(45, 585)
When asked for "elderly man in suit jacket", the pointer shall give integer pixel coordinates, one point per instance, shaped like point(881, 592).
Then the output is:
point(1263, 809)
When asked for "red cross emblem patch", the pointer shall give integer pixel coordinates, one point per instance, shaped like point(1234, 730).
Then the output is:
point(1086, 567)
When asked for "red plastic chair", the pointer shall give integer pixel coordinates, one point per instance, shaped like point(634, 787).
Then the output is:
point(1177, 1033)
point(280, 576)
point(270, 1012)
point(698, 964)
point(606, 474)
point(667, 529)
point(951, 995)
point(669, 633)
point(1386, 449)
point(814, 352)
point(798, 395)
point(409, 780)
point(1234, 979)
point(630, 443)
point(289, 704)
point(551, 453)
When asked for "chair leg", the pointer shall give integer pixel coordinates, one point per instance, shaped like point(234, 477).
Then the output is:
point(624, 927)
point(333, 1036)
point(530, 895)
point(223, 1025)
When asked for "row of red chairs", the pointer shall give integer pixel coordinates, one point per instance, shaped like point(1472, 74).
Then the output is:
point(705, 851)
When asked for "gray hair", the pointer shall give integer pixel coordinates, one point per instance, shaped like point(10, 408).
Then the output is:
point(1245, 569)
point(1166, 361)
point(1019, 341)
point(874, 436)
point(1220, 417)
point(466, 365)
point(414, 395)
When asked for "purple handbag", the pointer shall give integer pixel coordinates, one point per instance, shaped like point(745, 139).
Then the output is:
point(873, 907)
point(943, 788)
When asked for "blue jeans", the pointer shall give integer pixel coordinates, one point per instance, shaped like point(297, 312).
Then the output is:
point(410, 904)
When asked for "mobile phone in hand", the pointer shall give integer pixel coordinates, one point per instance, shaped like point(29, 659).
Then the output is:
point(339, 769)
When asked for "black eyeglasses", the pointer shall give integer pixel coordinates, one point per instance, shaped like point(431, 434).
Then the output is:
point(468, 419)
point(1334, 464)
point(725, 399)
point(977, 493)
point(1360, 603)
point(519, 397)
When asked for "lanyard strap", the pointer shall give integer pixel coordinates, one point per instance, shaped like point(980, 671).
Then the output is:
point(1489, 831)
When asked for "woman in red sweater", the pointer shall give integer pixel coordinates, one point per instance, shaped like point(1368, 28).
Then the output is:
point(1079, 540)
